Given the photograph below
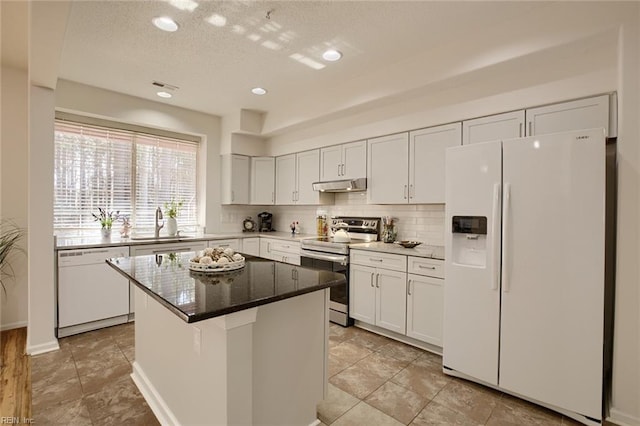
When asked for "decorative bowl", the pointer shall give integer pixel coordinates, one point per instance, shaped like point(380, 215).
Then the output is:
point(408, 244)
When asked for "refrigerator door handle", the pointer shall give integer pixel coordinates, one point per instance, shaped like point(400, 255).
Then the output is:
point(506, 196)
point(495, 227)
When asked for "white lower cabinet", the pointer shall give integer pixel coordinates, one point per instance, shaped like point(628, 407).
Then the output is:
point(425, 299)
point(383, 294)
point(251, 246)
point(280, 250)
point(378, 295)
point(234, 243)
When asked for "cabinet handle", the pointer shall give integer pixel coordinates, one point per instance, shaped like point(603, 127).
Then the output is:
point(273, 197)
point(426, 267)
point(377, 281)
point(339, 173)
point(375, 260)
point(520, 131)
point(293, 196)
point(409, 288)
point(343, 170)
point(405, 192)
point(233, 195)
point(372, 280)
point(530, 128)
point(285, 246)
point(268, 247)
point(412, 191)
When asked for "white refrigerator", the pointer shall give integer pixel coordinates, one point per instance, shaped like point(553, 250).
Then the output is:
point(525, 247)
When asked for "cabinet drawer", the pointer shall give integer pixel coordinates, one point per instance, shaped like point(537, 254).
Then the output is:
point(234, 243)
point(424, 266)
point(285, 247)
point(394, 262)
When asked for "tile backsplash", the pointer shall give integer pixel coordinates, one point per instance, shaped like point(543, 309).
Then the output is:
point(422, 222)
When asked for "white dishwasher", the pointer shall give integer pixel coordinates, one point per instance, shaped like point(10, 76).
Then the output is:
point(91, 294)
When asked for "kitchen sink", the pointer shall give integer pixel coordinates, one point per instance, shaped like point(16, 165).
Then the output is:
point(161, 238)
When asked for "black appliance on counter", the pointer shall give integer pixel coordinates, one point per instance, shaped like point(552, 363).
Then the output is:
point(331, 255)
point(265, 222)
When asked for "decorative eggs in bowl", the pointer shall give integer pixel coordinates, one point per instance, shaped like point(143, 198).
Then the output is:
point(218, 259)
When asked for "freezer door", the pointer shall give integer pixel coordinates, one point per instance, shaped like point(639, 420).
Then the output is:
point(472, 268)
point(553, 269)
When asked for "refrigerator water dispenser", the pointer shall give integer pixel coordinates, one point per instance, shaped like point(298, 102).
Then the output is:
point(469, 240)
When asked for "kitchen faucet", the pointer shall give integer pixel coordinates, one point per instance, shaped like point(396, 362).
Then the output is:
point(158, 226)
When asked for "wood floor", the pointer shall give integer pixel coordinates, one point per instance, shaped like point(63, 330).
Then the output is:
point(15, 375)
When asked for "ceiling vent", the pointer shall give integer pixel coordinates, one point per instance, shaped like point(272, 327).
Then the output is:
point(165, 85)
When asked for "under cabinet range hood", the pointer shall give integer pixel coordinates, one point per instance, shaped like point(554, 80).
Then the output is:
point(346, 185)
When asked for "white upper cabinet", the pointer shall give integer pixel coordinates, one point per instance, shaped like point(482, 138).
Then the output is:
point(427, 149)
point(347, 161)
point(409, 167)
point(387, 169)
point(235, 179)
point(295, 174)
point(263, 176)
point(582, 114)
point(308, 171)
point(493, 128)
point(286, 179)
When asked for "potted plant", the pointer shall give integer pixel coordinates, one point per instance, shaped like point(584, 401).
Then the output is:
point(171, 209)
point(106, 220)
point(10, 234)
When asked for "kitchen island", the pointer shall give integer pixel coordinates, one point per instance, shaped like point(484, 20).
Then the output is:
point(245, 347)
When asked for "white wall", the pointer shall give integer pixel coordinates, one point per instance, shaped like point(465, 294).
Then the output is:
point(41, 317)
point(88, 100)
point(13, 190)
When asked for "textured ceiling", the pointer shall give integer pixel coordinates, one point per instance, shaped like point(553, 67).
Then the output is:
point(113, 45)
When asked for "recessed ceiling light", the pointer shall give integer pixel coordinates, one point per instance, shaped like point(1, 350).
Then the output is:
point(217, 20)
point(331, 55)
point(165, 23)
point(258, 91)
point(164, 94)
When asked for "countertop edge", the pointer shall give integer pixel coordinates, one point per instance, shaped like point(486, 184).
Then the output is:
point(425, 251)
point(225, 311)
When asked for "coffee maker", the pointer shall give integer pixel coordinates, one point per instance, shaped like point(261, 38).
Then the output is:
point(265, 222)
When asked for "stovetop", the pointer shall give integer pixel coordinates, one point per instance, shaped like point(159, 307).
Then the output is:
point(359, 229)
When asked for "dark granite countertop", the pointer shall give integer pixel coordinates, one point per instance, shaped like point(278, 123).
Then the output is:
point(195, 296)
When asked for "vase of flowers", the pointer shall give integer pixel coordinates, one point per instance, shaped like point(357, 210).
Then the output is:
point(106, 220)
point(171, 209)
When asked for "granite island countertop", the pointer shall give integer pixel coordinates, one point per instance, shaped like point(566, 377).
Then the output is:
point(432, 252)
point(196, 296)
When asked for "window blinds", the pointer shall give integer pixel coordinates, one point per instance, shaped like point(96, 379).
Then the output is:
point(121, 170)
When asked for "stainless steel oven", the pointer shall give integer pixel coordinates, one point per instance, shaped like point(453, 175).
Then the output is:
point(331, 254)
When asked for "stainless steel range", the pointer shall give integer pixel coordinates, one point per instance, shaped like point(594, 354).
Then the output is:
point(332, 254)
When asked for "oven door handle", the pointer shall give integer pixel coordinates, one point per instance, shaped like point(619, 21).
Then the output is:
point(341, 259)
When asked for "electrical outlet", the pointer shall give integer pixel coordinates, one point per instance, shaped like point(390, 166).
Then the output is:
point(197, 340)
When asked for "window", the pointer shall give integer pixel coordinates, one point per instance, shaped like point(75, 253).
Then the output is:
point(121, 170)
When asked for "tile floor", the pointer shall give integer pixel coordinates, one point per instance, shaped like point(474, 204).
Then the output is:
point(373, 380)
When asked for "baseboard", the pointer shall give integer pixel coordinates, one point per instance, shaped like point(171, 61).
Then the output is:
point(622, 419)
point(156, 403)
point(43, 348)
point(12, 325)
